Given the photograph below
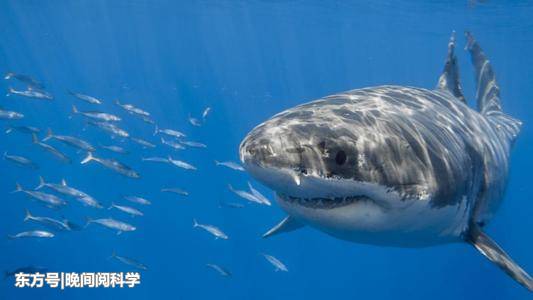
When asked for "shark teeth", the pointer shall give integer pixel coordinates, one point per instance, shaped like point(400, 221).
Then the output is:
point(324, 203)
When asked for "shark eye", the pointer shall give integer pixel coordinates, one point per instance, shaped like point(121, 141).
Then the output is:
point(340, 158)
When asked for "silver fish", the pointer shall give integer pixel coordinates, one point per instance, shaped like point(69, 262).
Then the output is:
point(24, 79)
point(96, 115)
point(129, 261)
point(30, 93)
point(70, 141)
point(127, 209)
point(246, 195)
point(275, 262)
point(169, 132)
point(211, 229)
point(10, 115)
point(23, 129)
point(46, 221)
point(172, 144)
point(206, 112)
point(32, 234)
point(230, 164)
point(116, 149)
point(86, 98)
point(142, 142)
point(138, 200)
point(181, 164)
point(193, 144)
point(50, 149)
point(112, 224)
point(175, 191)
point(50, 200)
point(111, 128)
point(64, 189)
point(155, 159)
point(148, 120)
point(194, 121)
point(132, 109)
point(112, 164)
point(222, 271)
point(258, 195)
point(21, 161)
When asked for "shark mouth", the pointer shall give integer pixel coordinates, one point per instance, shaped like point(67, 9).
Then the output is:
point(324, 203)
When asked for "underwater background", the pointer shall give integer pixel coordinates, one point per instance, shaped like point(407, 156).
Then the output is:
point(247, 60)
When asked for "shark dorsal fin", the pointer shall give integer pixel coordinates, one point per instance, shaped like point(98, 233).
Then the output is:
point(449, 79)
point(488, 90)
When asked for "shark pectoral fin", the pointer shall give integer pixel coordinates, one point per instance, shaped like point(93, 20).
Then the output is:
point(449, 80)
point(495, 254)
point(286, 225)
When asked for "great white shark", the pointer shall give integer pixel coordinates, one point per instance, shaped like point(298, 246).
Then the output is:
point(393, 165)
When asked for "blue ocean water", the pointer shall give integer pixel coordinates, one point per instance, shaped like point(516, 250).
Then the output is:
point(247, 60)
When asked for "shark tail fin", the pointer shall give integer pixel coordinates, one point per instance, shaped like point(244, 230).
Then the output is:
point(74, 109)
point(42, 183)
point(484, 244)
point(194, 223)
point(156, 129)
point(28, 215)
point(5, 155)
point(49, 135)
point(88, 221)
point(112, 205)
point(10, 91)
point(88, 158)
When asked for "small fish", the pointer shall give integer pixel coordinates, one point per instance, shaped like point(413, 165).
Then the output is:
point(86, 98)
point(172, 144)
point(181, 164)
point(142, 142)
point(48, 148)
point(206, 112)
point(148, 120)
point(175, 191)
point(138, 200)
point(10, 115)
point(112, 164)
point(111, 128)
point(230, 204)
point(194, 121)
point(70, 141)
point(23, 129)
point(21, 161)
point(155, 159)
point(32, 234)
point(30, 93)
point(246, 195)
point(275, 262)
point(64, 189)
point(96, 115)
point(193, 144)
point(222, 271)
point(50, 200)
point(116, 149)
point(230, 164)
point(112, 224)
point(211, 229)
point(26, 270)
point(132, 109)
point(51, 223)
point(127, 209)
point(258, 195)
point(169, 132)
point(28, 80)
point(129, 261)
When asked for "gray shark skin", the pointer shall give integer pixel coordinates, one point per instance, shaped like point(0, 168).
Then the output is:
point(393, 165)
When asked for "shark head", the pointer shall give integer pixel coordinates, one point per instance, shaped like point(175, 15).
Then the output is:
point(341, 166)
